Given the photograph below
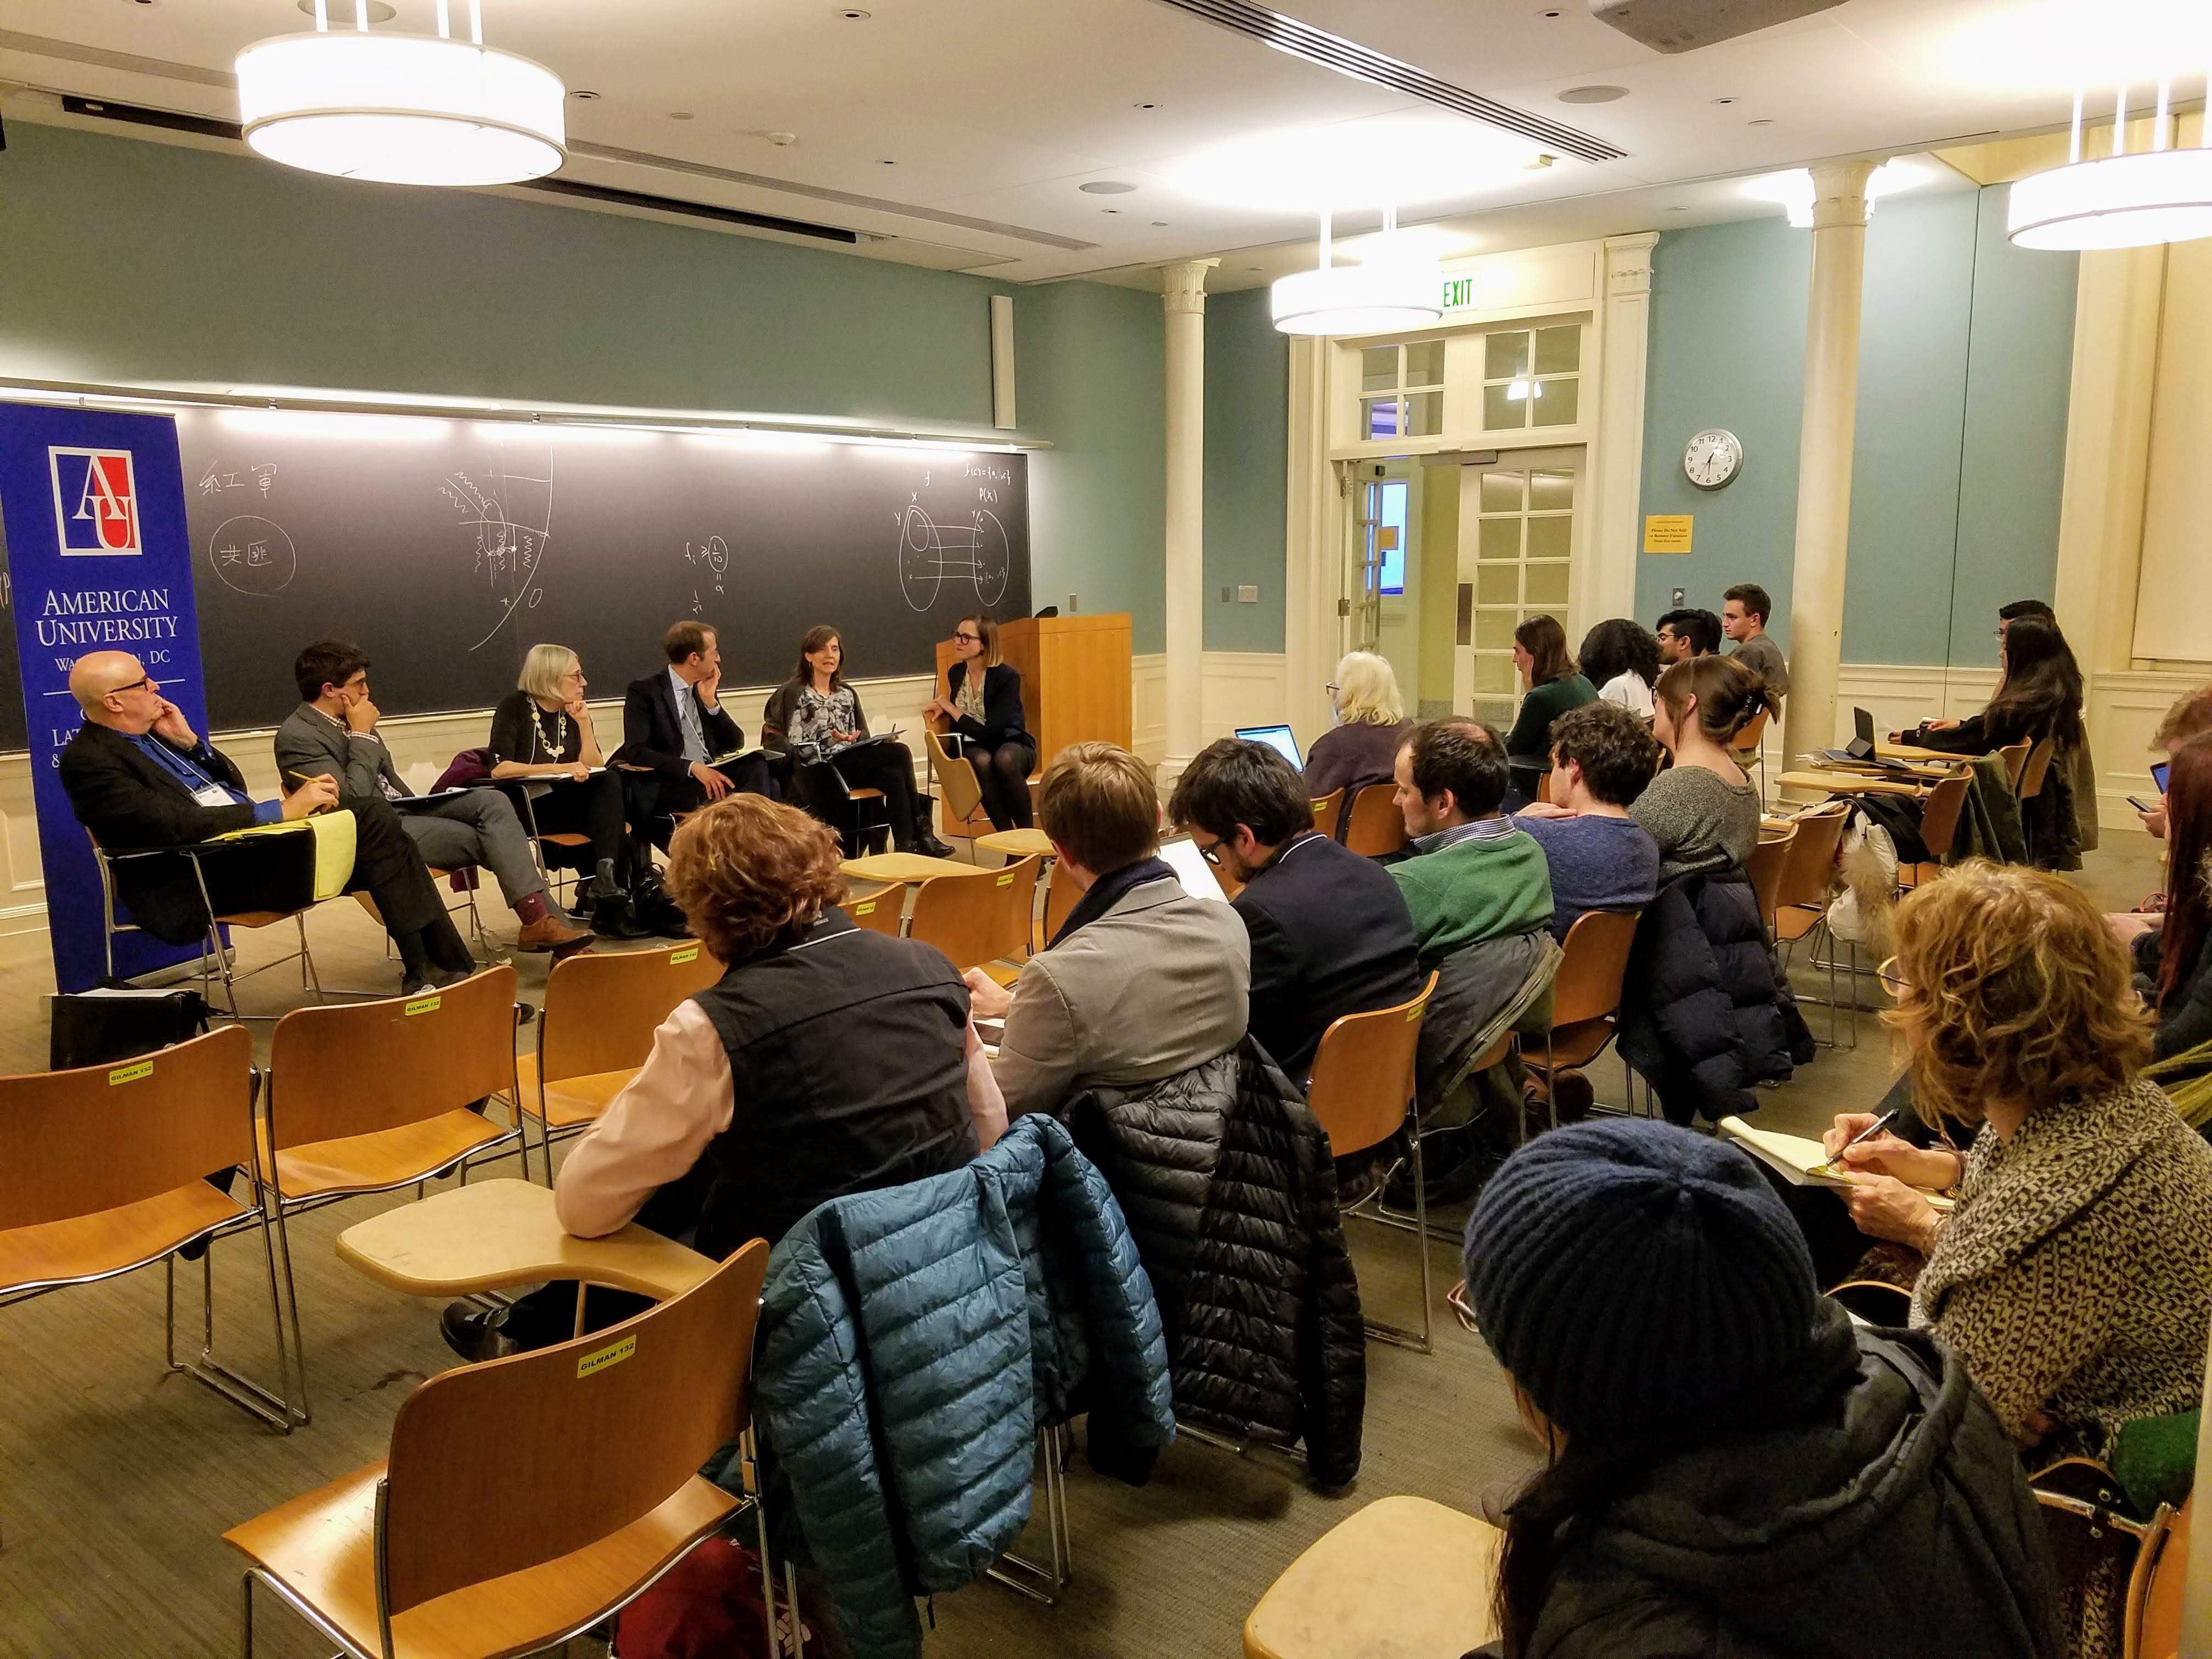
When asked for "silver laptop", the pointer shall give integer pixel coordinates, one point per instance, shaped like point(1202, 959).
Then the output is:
point(1277, 738)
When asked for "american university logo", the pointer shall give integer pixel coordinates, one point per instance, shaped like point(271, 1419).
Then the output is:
point(95, 502)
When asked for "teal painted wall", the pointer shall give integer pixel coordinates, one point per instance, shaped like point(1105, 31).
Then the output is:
point(1248, 389)
point(1964, 363)
point(125, 261)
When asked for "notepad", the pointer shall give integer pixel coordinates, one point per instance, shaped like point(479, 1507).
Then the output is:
point(1798, 1160)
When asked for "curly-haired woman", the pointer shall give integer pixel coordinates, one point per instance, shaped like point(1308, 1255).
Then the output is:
point(857, 1060)
point(2074, 1275)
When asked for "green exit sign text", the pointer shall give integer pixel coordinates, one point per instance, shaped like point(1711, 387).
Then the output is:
point(1459, 293)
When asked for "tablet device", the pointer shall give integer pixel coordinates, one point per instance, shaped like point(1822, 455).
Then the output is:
point(1277, 738)
point(2158, 775)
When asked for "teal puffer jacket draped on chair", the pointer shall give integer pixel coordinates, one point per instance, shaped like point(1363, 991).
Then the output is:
point(913, 1342)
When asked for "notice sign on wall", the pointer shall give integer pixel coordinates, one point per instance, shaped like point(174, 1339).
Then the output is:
point(1666, 532)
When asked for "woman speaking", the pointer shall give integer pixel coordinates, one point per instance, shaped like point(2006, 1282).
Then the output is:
point(984, 703)
point(816, 716)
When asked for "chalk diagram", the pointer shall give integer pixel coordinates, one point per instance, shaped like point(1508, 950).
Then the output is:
point(253, 555)
point(507, 513)
point(927, 549)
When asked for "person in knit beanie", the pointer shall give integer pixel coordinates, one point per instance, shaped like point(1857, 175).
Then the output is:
point(1732, 1466)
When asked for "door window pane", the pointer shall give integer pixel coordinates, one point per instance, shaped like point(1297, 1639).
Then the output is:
point(1549, 538)
point(1495, 676)
point(1379, 370)
point(1560, 404)
point(1424, 414)
point(1547, 583)
point(1493, 630)
point(1379, 418)
point(1424, 363)
point(1560, 350)
point(1504, 356)
point(1548, 492)
point(1499, 539)
point(1500, 410)
point(1503, 492)
point(1499, 584)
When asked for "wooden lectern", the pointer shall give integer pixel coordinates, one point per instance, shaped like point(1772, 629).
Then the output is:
point(1075, 687)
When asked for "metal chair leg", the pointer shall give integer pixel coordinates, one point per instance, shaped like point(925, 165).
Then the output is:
point(1035, 1582)
point(272, 1408)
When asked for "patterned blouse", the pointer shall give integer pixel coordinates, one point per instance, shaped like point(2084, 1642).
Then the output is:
point(817, 718)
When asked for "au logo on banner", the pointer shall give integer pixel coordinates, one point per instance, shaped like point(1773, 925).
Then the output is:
point(95, 502)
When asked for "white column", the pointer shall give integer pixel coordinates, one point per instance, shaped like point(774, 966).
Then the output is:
point(1824, 454)
point(1615, 483)
point(1313, 574)
point(1182, 291)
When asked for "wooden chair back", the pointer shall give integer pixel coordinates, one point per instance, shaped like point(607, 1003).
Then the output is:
point(1376, 826)
point(76, 1143)
point(2016, 760)
point(978, 916)
point(1326, 812)
point(355, 1069)
point(1061, 894)
point(601, 1011)
point(2153, 1627)
point(956, 775)
point(2037, 768)
point(506, 1465)
point(880, 913)
point(1362, 1073)
point(1809, 872)
point(1940, 813)
point(1544, 786)
point(1768, 859)
point(1751, 735)
point(1588, 983)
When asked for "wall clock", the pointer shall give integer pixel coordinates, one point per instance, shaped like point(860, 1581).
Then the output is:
point(1710, 458)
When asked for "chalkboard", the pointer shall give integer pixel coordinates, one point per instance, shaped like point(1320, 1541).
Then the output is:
point(447, 548)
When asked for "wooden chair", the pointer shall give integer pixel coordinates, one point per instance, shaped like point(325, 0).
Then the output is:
point(1768, 860)
point(524, 1499)
point(860, 816)
point(1801, 898)
point(1326, 812)
point(883, 912)
point(1375, 826)
point(1061, 894)
point(2016, 760)
point(2031, 777)
point(214, 955)
point(957, 786)
point(366, 1098)
point(1749, 749)
point(2086, 1519)
point(1585, 996)
point(105, 1173)
point(1939, 811)
point(980, 919)
point(1362, 1090)
point(1399, 1577)
point(597, 1028)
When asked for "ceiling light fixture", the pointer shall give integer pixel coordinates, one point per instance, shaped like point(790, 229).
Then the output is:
point(2121, 199)
point(1333, 168)
point(400, 108)
point(1397, 286)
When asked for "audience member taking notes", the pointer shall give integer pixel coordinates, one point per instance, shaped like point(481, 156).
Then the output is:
point(1330, 935)
point(1142, 981)
point(332, 734)
point(139, 777)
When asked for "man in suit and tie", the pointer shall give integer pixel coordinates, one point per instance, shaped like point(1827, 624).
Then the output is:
point(139, 777)
point(333, 733)
point(673, 725)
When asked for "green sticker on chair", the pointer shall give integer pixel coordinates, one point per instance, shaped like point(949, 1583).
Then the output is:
point(137, 1074)
point(677, 959)
point(424, 1006)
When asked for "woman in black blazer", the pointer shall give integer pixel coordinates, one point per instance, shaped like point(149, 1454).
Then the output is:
point(984, 703)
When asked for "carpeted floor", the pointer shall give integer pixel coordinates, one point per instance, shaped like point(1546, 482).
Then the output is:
point(117, 1480)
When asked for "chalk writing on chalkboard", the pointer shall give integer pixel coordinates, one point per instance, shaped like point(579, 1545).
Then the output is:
point(712, 557)
point(507, 513)
point(927, 549)
point(253, 555)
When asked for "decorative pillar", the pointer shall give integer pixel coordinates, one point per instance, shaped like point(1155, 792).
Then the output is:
point(1313, 551)
point(1614, 483)
point(1182, 291)
point(1824, 454)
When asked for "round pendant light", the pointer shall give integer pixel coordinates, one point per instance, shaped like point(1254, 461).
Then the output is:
point(399, 108)
point(2124, 199)
point(1395, 287)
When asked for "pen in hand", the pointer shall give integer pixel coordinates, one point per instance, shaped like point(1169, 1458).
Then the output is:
point(1867, 1133)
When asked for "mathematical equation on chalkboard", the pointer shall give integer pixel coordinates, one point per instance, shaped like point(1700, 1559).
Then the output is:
point(968, 543)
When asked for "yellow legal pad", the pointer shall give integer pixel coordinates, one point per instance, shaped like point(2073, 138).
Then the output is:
point(334, 847)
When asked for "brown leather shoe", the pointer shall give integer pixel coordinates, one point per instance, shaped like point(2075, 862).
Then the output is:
point(550, 933)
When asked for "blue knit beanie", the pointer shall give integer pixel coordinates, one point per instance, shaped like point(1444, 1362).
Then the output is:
point(1631, 1275)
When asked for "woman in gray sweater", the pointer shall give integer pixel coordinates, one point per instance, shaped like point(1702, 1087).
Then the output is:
point(1701, 811)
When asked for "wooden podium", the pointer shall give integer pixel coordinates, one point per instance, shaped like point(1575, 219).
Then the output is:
point(1075, 686)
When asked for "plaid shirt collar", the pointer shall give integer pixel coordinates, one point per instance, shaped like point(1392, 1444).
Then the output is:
point(1481, 830)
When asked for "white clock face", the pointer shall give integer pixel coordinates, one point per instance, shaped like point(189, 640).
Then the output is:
point(1710, 458)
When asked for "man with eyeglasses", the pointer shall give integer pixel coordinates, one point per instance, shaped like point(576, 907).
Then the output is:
point(138, 777)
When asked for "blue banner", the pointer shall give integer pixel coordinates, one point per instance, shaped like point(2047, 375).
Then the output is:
point(99, 559)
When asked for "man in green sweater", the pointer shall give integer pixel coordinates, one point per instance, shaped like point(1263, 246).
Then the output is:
point(1470, 874)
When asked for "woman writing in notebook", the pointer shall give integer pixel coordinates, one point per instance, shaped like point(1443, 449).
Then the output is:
point(815, 717)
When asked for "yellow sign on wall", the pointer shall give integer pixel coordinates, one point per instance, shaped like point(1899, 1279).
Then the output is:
point(1666, 532)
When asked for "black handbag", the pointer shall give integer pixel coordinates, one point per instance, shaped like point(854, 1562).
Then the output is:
point(95, 1028)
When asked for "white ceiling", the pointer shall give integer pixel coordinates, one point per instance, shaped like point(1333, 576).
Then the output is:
point(958, 131)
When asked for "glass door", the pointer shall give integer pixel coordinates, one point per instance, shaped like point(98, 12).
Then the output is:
point(1515, 559)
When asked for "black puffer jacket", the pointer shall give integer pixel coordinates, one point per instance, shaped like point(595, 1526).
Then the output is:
point(1224, 1176)
point(1892, 1519)
point(1703, 1015)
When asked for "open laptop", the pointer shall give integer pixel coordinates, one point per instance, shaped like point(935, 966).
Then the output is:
point(1860, 751)
point(1277, 738)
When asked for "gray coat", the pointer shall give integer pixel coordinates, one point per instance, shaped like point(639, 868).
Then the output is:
point(310, 743)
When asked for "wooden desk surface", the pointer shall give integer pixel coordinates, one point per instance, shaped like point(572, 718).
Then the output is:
point(491, 1235)
point(1402, 1576)
point(1018, 843)
point(1848, 783)
point(904, 866)
point(1907, 751)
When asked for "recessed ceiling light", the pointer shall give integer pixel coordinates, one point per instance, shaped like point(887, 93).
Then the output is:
point(1106, 187)
point(1159, 224)
point(1592, 94)
point(886, 164)
point(1723, 100)
point(1110, 209)
point(1762, 121)
point(854, 14)
point(1348, 165)
point(1548, 14)
point(583, 94)
point(680, 115)
point(1145, 105)
point(378, 11)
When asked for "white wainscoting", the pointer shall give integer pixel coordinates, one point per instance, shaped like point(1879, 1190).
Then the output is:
point(1237, 687)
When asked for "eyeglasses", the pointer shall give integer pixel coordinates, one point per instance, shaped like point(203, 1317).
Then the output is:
point(1894, 982)
point(1331, 687)
point(1211, 852)
point(146, 681)
point(968, 639)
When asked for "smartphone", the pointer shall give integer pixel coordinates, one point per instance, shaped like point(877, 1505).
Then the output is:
point(2158, 773)
point(2140, 806)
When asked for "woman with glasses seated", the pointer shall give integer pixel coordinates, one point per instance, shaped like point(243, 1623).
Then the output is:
point(1362, 747)
point(815, 716)
point(983, 701)
point(542, 733)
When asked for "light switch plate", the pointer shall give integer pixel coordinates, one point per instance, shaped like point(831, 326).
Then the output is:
point(1678, 599)
point(1248, 594)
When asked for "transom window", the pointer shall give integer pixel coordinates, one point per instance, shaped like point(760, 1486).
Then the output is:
point(1532, 377)
point(1401, 390)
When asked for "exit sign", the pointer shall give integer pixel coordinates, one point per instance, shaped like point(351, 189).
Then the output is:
point(1459, 293)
